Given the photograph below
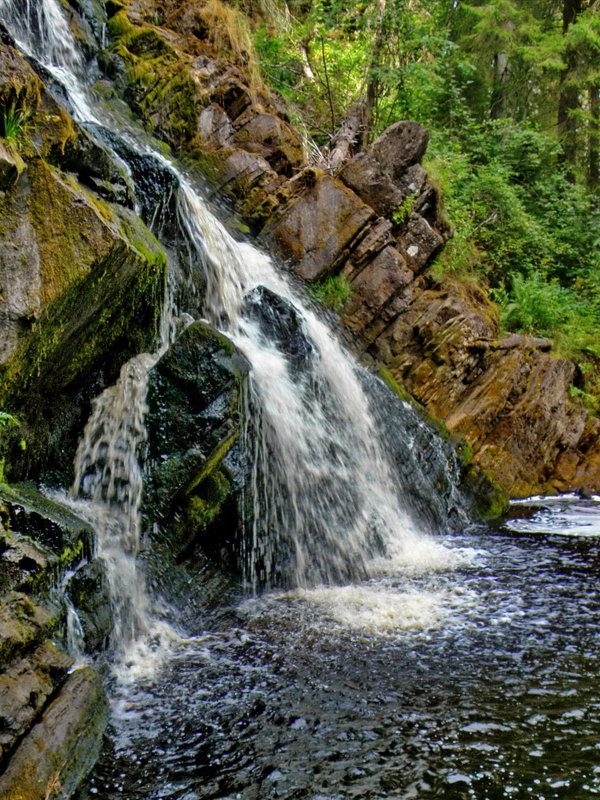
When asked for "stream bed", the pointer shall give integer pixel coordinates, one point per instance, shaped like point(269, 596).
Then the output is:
point(474, 681)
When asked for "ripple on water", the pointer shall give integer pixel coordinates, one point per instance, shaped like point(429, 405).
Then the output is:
point(476, 681)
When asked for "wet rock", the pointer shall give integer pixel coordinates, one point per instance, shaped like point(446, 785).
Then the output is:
point(23, 624)
point(55, 527)
point(63, 745)
point(25, 687)
point(313, 232)
point(379, 174)
point(280, 323)
point(192, 421)
point(89, 592)
point(19, 85)
point(101, 292)
point(23, 563)
point(94, 168)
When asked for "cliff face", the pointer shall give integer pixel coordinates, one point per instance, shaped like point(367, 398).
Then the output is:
point(378, 223)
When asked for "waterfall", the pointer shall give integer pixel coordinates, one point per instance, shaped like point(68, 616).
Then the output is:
point(323, 493)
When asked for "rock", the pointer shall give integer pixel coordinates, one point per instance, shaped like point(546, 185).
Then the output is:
point(62, 747)
point(378, 175)
point(315, 229)
point(274, 140)
point(420, 242)
point(507, 397)
point(214, 126)
point(280, 323)
point(25, 687)
point(193, 397)
point(89, 592)
point(244, 170)
point(23, 624)
point(377, 284)
point(24, 563)
point(101, 292)
point(19, 85)
point(378, 236)
point(11, 166)
point(56, 528)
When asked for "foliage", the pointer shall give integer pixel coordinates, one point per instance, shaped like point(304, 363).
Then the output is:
point(333, 292)
point(404, 210)
point(6, 420)
point(15, 127)
point(512, 101)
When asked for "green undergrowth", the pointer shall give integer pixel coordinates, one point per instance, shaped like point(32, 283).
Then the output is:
point(333, 292)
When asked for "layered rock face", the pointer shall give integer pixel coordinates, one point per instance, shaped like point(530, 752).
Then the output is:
point(51, 717)
point(377, 222)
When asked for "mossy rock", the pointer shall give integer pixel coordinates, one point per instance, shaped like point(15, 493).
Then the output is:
point(55, 527)
point(76, 348)
point(193, 420)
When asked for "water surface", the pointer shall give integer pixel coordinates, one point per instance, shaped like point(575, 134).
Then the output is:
point(476, 681)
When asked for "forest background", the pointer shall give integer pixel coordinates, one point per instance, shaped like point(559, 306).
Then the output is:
point(510, 92)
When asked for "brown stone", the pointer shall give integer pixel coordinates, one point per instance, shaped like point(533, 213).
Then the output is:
point(244, 170)
point(507, 397)
point(379, 174)
point(420, 242)
point(315, 229)
point(376, 285)
point(274, 140)
point(25, 686)
point(378, 236)
point(62, 747)
point(214, 126)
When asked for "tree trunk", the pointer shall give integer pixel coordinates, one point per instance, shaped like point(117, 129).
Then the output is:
point(373, 76)
point(342, 144)
point(568, 99)
point(498, 101)
point(594, 138)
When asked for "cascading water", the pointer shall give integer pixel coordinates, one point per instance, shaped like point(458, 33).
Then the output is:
point(323, 494)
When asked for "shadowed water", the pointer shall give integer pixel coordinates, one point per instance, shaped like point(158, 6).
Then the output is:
point(476, 682)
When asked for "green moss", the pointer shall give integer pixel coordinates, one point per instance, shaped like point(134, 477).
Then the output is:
point(204, 506)
point(102, 318)
point(489, 500)
point(119, 26)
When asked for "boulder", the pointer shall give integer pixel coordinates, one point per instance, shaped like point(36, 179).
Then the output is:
point(314, 231)
point(63, 745)
point(193, 397)
point(274, 140)
point(280, 323)
point(379, 175)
